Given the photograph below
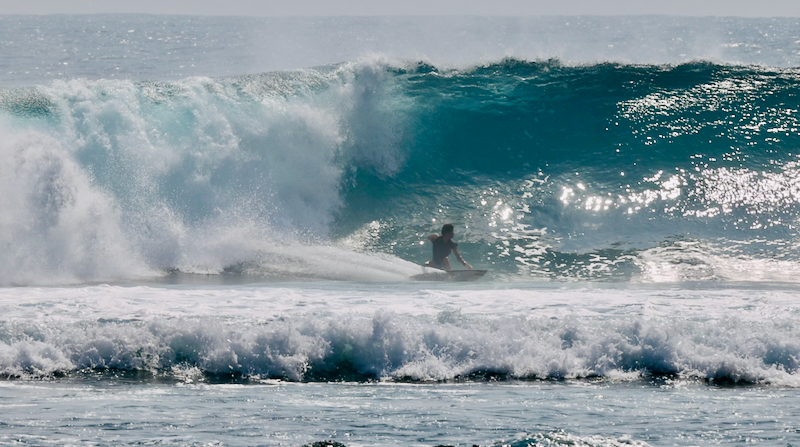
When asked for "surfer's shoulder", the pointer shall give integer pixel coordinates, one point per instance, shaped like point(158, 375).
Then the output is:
point(433, 237)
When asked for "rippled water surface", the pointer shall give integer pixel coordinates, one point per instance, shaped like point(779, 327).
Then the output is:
point(115, 411)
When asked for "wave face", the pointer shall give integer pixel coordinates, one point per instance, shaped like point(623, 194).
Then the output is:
point(684, 172)
point(549, 171)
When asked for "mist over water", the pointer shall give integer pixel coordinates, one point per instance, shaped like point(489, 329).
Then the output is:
point(143, 47)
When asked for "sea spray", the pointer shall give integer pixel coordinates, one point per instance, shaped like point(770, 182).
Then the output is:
point(199, 175)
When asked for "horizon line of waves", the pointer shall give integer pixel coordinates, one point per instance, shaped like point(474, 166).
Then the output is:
point(387, 346)
point(24, 100)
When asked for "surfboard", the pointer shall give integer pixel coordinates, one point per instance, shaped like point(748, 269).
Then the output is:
point(433, 274)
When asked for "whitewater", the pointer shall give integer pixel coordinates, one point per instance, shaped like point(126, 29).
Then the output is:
point(209, 228)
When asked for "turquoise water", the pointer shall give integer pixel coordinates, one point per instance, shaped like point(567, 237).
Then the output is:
point(549, 171)
point(208, 228)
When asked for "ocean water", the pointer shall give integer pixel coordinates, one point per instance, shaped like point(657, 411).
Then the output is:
point(209, 228)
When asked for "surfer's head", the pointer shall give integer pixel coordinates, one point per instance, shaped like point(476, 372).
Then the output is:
point(448, 229)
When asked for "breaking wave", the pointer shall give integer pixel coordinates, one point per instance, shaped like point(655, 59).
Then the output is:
point(607, 171)
point(389, 346)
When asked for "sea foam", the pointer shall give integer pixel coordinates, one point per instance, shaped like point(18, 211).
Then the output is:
point(403, 335)
point(117, 179)
point(388, 346)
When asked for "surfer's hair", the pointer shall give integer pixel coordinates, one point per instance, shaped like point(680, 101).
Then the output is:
point(447, 228)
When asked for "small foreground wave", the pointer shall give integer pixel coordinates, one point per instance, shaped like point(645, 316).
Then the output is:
point(554, 438)
point(388, 346)
point(557, 438)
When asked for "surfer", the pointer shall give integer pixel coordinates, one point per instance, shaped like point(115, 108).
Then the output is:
point(442, 246)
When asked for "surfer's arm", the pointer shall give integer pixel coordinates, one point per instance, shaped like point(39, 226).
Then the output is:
point(433, 237)
point(460, 259)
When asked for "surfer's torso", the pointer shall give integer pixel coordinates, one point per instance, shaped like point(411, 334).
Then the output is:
point(442, 250)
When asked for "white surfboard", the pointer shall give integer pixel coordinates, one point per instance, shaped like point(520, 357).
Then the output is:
point(434, 274)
